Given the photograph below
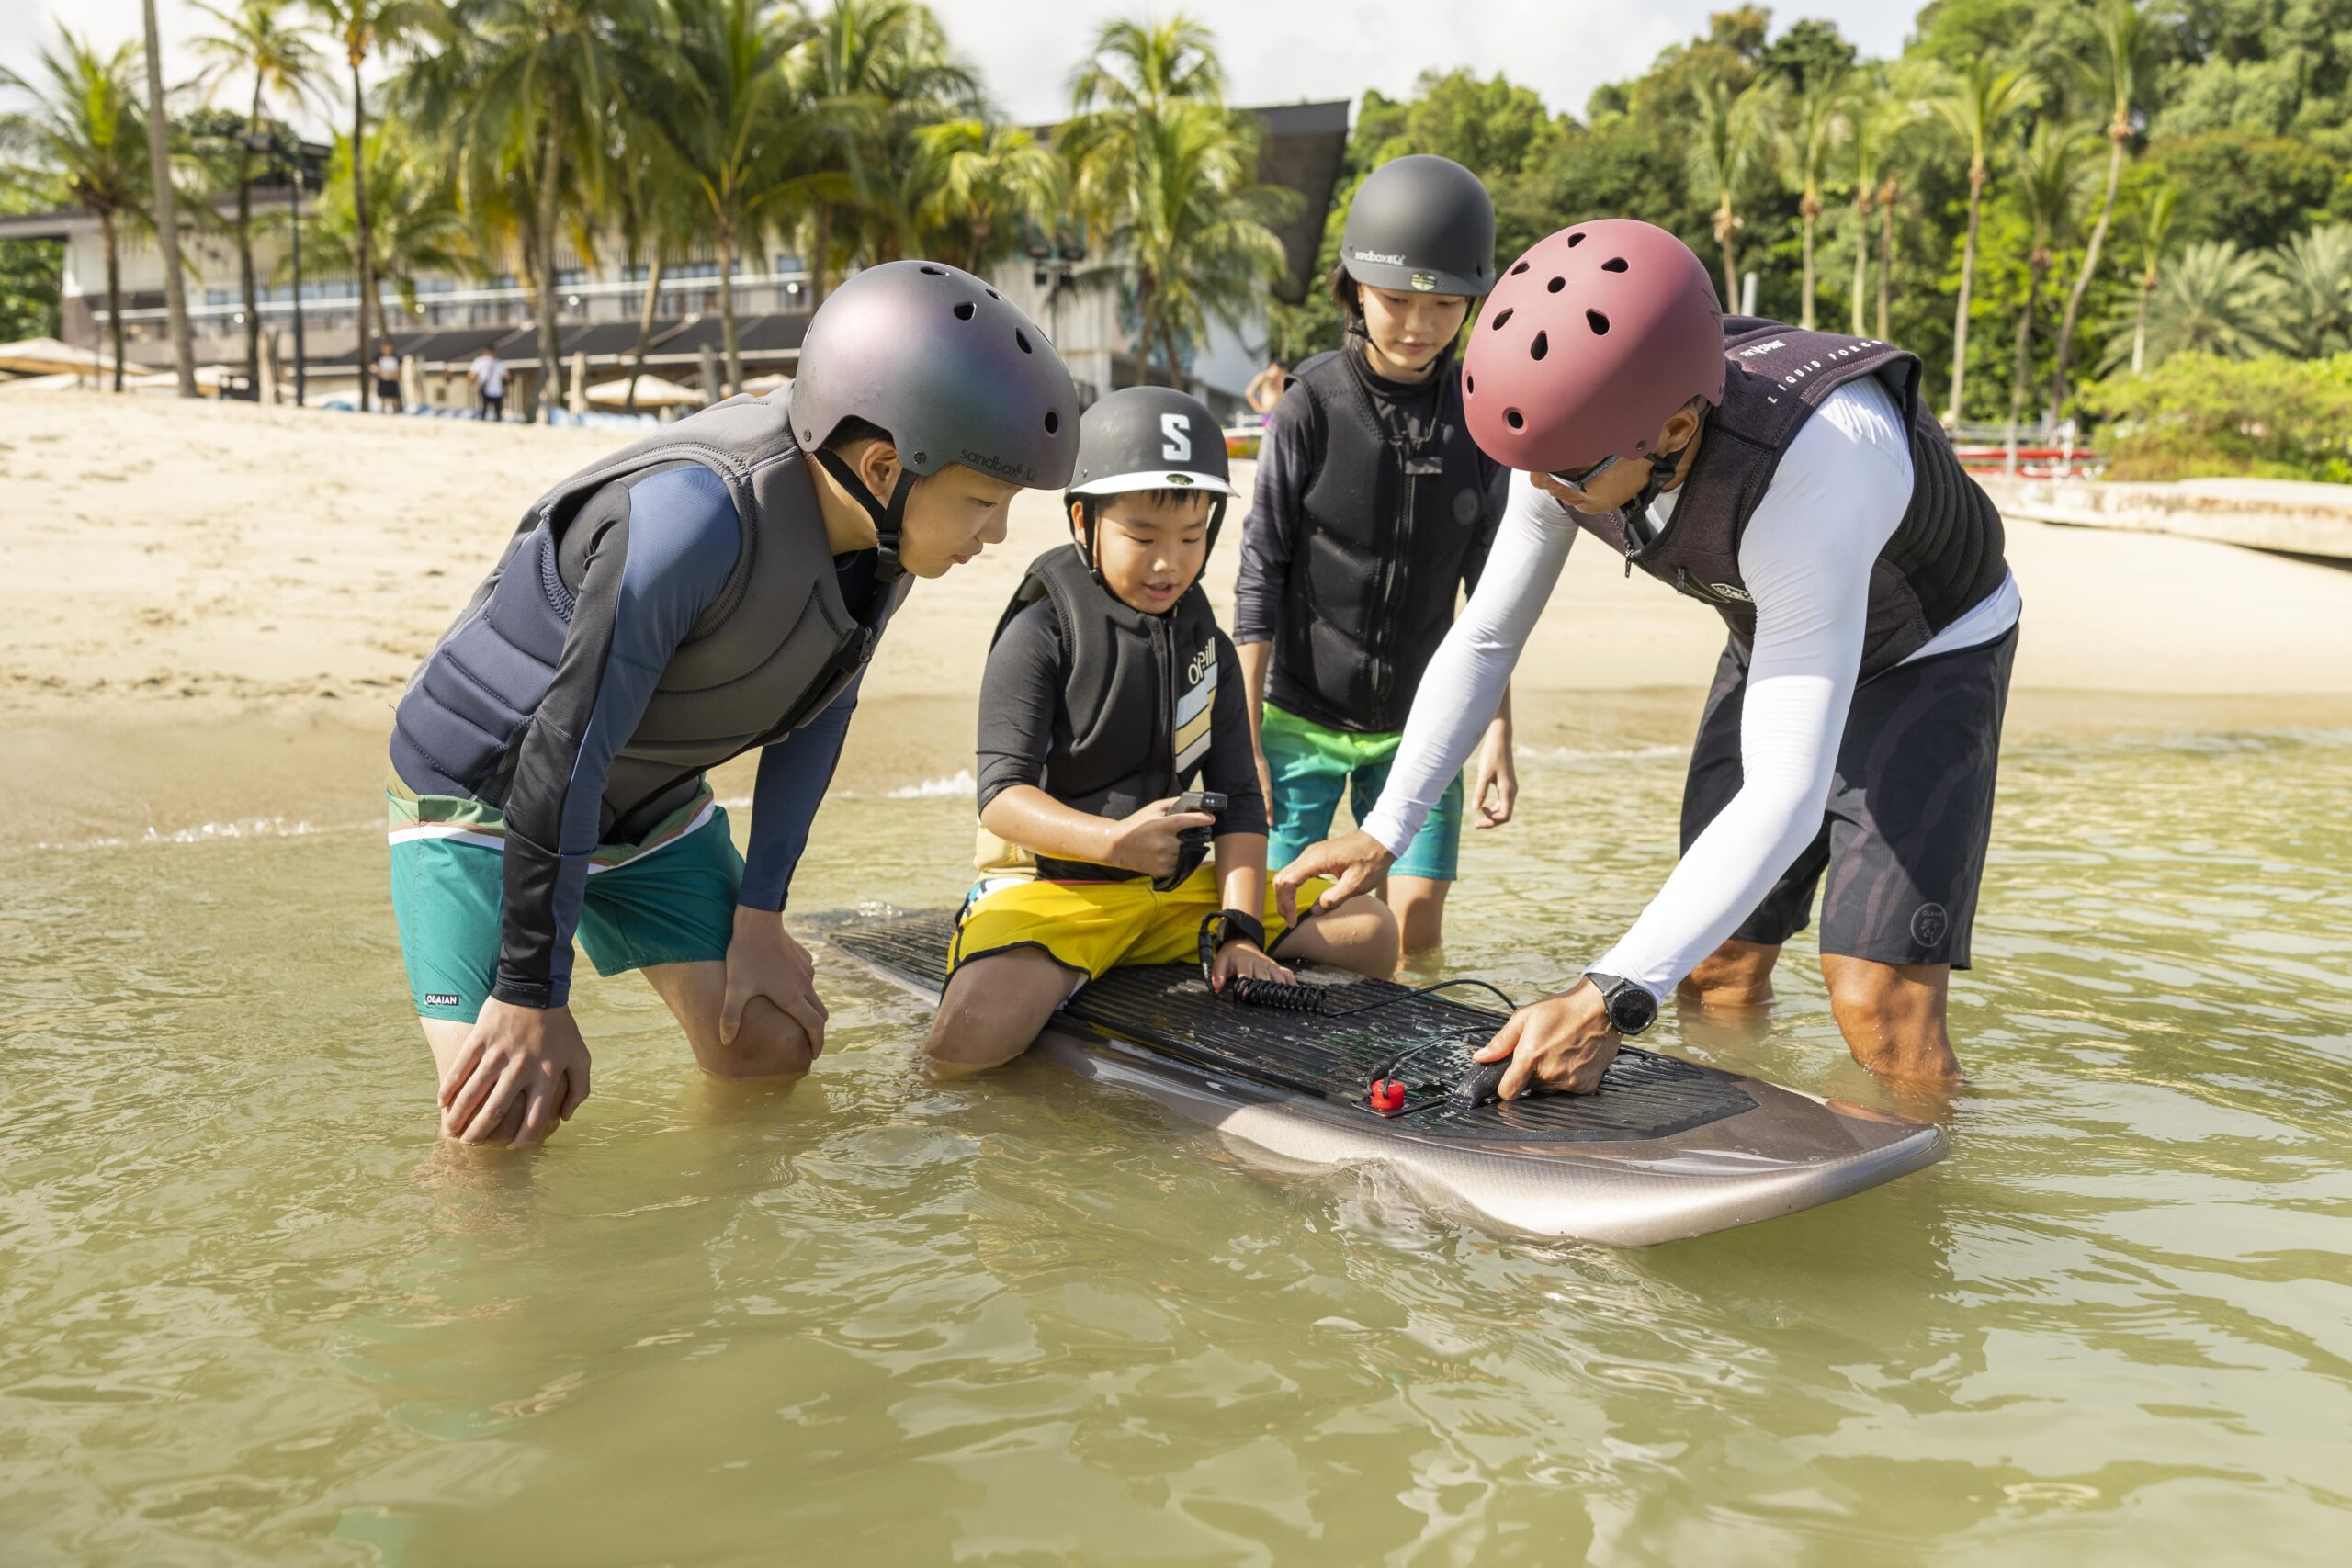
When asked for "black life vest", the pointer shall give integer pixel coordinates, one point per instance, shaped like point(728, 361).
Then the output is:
point(1944, 558)
point(1138, 702)
point(772, 652)
point(1387, 533)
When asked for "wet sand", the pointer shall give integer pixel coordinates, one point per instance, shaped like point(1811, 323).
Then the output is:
point(208, 611)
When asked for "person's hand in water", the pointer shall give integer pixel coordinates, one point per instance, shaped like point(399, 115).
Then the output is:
point(1561, 1042)
point(1353, 864)
point(530, 1059)
point(1150, 841)
point(1244, 959)
point(763, 960)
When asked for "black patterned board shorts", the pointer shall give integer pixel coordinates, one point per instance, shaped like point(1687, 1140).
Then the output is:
point(1910, 807)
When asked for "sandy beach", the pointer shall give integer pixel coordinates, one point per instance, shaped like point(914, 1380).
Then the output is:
point(210, 609)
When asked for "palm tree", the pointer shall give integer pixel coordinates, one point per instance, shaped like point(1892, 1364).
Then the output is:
point(522, 86)
point(2310, 312)
point(873, 71)
point(84, 125)
point(1872, 131)
point(2126, 54)
point(366, 28)
point(989, 184)
point(656, 210)
point(730, 117)
point(417, 228)
point(166, 209)
point(1820, 119)
point(284, 65)
point(1979, 108)
point(1138, 68)
point(2155, 232)
point(1731, 135)
point(2049, 174)
point(2211, 301)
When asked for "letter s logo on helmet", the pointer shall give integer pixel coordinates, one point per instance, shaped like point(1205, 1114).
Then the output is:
point(1177, 446)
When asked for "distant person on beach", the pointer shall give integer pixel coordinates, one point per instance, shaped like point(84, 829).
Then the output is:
point(488, 373)
point(713, 590)
point(1086, 864)
point(388, 377)
point(1265, 388)
point(1794, 482)
point(1373, 509)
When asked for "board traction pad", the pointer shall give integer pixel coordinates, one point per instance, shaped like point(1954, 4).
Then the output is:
point(1167, 1010)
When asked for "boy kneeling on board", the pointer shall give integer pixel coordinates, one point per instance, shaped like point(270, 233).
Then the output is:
point(1109, 693)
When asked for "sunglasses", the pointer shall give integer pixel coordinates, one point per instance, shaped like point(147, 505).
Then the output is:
point(1577, 480)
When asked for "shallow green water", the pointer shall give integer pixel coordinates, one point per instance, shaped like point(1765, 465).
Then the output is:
point(250, 1313)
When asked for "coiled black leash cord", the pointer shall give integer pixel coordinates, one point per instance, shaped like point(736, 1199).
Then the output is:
point(1251, 991)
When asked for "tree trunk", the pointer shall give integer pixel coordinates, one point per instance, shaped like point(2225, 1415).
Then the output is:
point(1861, 263)
point(246, 247)
point(820, 264)
point(366, 243)
point(551, 302)
point(114, 290)
point(644, 326)
point(1808, 312)
point(1726, 224)
point(726, 309)
point(167, 217)
point(2116, 136)
point(2140, 332)
point(2038, 267)
point(1885, 260)
point(1967, 288)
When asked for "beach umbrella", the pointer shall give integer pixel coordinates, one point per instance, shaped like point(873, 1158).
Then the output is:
point(61, 381)
point(49, 356)
point(760, 385)
point(653, 392)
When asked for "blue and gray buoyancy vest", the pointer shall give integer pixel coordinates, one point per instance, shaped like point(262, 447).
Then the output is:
point(1944, 556)
point(1123, 664)
point(772, 652)
point(1388, 530)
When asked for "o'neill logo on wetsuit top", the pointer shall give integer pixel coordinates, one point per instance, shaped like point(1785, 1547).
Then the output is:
point(1199, 667)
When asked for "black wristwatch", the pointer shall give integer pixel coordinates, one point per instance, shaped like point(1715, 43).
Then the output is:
point(1630, 1009)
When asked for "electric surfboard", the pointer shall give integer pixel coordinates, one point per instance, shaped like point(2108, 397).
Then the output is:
point(1666, 1149)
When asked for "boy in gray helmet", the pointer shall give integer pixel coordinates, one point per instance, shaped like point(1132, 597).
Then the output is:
point(712, 590)
point(1111, 693)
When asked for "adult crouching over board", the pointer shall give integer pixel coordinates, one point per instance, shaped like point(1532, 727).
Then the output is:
point(1793, 482)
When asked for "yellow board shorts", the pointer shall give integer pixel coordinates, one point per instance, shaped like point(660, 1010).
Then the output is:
point(1093, 927)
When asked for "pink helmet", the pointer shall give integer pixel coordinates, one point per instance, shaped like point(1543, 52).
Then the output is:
point(1588, 343)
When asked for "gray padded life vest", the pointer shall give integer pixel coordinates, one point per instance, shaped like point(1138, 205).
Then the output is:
point(1944, 556)
point(773, 649)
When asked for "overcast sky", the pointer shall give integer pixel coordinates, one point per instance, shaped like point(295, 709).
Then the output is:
point(1275, 51)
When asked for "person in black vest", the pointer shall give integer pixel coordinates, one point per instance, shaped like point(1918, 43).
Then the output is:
point(1109, 691)
point(1373, 509)
point(1795, 484)
point(712, 590)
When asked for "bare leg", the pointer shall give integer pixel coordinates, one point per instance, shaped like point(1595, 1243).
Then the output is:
point(1360, 934)
point(1893, 1016)
point(1737, 973)
point(993, 1009)
point(768, 1043)
point(1419, 904)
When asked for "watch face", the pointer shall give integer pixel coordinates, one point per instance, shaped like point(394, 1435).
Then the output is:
point(1632, 1009)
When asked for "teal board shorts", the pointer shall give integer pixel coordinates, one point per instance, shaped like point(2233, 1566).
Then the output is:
point(668, 899)
point(1313, 765)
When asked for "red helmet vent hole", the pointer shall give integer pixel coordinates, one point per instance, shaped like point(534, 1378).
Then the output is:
point(1598, 322)
point(963, 312)
point(1470, 384)
point(1556, 285)
point(1540, 346)
point(1520, 268)
point(1614, 264)
point(1515, 419)
point(1053, 422)
point(1022, 339)
point(1575, 240)
point(1500, 317)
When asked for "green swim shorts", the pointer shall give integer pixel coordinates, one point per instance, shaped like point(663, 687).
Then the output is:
point(669, 899)
point(1313, 765)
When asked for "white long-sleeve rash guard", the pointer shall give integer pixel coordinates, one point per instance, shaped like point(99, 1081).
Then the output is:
point(1839, 493)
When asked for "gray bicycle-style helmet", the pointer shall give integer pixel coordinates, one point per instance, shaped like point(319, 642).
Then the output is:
point(1420, 224)
point(1150, 438)
point(954, 373)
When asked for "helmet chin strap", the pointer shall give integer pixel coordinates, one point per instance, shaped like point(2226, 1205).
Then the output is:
point(1640, 539)
point(1090, 515)
point(890, 517)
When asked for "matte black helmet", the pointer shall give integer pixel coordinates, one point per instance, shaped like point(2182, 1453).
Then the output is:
point(938, 359)
point(1150, 438)
point(1420, 224)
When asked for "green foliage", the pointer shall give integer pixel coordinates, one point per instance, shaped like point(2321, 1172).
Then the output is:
point(2238, 184)
point(31, 271)
point(2202, 413)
